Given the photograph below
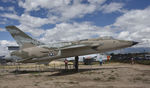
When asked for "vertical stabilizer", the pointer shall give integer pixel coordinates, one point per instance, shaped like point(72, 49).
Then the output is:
point(21, 38)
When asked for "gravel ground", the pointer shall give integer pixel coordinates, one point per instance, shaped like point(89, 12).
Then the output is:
point(113, 75)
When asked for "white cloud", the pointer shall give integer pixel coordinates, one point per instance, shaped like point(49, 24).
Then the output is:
point(3, 21)
point(11, 16)
point(30, 5)
point(33, 30)
point(3, 46)
point(8, 9)
point(78, 10)
point(11, 9)
point(74, 31)
point(26, 19)
point(29, 23)
point(62, 10)
point(112, 7)
point(96, 1)
point(123, 34)
point(7, 43)
point(134, 25)
point(1, 8)
point(58, 11)
point(3, 51)
point(11, 1)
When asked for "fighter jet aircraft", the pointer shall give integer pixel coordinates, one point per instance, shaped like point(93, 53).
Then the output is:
point(32, 51)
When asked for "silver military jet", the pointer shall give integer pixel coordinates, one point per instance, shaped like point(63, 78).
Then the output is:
point(32, 51)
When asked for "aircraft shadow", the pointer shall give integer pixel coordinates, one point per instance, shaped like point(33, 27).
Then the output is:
point(73, 71)
point(26, 71)
point(61, 72)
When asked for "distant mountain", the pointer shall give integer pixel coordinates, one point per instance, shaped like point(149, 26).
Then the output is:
point(132, 50)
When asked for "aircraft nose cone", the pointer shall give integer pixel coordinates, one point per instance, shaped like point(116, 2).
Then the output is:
point(134, 43)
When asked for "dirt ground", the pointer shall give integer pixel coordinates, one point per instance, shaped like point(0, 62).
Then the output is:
point(113, 75)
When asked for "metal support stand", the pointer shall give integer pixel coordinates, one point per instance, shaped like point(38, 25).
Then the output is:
point(76, 63)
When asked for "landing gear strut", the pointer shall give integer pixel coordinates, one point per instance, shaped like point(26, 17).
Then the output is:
point(76, 63)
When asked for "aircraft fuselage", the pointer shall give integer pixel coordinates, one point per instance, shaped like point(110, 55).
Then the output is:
point(44, 53)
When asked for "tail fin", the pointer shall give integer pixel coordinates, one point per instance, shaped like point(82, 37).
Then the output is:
point(22, 38)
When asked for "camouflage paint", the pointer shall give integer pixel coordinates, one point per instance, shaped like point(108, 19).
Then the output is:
point(34, 51)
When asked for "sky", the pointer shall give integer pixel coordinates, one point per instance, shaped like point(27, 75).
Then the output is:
point(67, 20)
